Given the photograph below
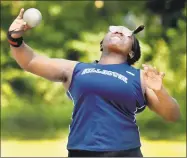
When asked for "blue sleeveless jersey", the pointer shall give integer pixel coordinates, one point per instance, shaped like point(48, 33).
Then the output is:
point(106, 99)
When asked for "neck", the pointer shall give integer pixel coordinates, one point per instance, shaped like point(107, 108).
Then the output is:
point(112, 58)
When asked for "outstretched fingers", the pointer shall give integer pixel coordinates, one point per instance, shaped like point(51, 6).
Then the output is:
point(152, 71)
point(20, 16)
point(162, 74)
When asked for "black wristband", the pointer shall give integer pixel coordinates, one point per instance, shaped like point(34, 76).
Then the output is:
point(15, 42)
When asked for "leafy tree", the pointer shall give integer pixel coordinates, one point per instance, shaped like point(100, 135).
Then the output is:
point(73, 30)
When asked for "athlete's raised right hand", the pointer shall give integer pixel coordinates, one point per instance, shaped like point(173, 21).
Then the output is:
point(18, 26)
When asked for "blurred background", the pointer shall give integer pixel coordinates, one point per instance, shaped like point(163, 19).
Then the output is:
point(36, 113)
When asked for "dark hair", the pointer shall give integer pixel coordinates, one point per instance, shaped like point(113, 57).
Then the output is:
point(135, 48)
point(137, 52)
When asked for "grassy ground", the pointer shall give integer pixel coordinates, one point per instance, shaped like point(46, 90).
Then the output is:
point(57, 148)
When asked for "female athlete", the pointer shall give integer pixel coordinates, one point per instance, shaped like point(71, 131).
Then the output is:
point(106, 94)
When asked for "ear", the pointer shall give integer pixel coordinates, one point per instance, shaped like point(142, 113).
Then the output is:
point(131, 54)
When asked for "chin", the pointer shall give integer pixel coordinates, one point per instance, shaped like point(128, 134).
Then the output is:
point(114, 48)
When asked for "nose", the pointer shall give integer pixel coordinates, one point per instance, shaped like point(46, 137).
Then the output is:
point(118, 33)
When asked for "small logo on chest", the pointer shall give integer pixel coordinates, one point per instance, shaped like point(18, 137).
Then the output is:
point(105, 72)
point(130, 73)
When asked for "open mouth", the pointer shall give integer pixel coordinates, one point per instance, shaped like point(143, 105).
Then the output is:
point(115, 39)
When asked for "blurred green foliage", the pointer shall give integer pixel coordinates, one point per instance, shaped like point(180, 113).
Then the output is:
point(36, 108)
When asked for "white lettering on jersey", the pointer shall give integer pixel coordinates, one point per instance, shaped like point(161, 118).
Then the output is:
point(105, 72)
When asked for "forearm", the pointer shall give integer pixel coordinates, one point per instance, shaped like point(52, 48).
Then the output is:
point(23, 55)
point(170, 107)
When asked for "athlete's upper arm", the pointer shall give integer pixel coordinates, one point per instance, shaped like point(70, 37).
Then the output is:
point(51, 68)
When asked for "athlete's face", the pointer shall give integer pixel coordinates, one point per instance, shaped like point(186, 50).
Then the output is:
point(119, 39)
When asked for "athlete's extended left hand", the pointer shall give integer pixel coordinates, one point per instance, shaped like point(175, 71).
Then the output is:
point(152, 77)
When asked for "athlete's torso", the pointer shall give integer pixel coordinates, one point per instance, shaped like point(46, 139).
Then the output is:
point(105, 99)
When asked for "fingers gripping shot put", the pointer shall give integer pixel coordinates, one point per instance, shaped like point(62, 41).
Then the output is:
point(107, 94)
point(32, 17)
